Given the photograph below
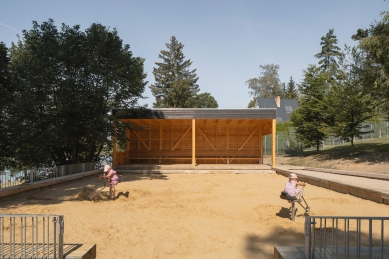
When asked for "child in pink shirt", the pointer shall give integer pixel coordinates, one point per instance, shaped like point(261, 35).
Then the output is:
point(291, 185)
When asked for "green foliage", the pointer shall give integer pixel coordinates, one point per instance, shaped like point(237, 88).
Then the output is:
point(6, 91)
point(291, 91)
point(251, 103)
point(206, 100)
point(329, 53)
point(310, 119)
point(69, 81)
point(175, 85)
point(375, 74)
point(268, 84)
point(348, 102)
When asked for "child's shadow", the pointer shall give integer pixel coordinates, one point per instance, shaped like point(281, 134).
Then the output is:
point(284, 213)
point(126, 194)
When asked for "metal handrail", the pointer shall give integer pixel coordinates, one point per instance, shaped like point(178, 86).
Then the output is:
point(324, 237)
point(31, 236)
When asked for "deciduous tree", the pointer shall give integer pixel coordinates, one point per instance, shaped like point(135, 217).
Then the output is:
point(206, 100)
point(268, 84)
point(69, 81)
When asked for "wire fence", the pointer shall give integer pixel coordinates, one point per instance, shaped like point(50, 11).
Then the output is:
point(286, 142)
point(9, 178)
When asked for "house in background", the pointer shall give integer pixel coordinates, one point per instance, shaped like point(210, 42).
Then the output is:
point(285, 107)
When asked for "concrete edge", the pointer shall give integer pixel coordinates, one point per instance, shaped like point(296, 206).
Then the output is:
point(40, 184)
point(216, 171)
point(356, 191)
point(384, 177)
point(85, 251)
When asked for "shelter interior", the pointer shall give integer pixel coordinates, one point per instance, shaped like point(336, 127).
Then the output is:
point(207, 141)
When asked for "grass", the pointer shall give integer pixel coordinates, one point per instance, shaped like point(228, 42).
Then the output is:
point(365, 151)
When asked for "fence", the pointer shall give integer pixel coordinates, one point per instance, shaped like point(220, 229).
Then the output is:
point(33, 175)
point(346, 237)
point(286, 142)
point(31, 236)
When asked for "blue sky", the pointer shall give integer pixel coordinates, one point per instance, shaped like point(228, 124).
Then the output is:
point(226, 40)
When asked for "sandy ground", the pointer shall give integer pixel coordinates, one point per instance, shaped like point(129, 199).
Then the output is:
point(187, 215)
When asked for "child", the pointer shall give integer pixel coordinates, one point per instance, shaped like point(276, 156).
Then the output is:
point(291, 186)
point(113, 179)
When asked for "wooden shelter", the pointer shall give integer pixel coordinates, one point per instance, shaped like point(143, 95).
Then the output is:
point(197, 136)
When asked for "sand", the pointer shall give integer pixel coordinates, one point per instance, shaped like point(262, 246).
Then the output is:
point(187, 215)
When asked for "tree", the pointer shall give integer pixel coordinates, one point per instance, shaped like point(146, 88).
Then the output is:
point(251, 104)
point(69, 81)
point(348, 102)
point(268, 84)
point(375, 76)
point(6, 91)
point(206, 100)
point(310, 119)
point(175, 85)
point(291, 91)
point(329, 53)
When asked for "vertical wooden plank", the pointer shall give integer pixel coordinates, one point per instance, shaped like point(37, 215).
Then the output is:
point(228, 137)
point(273, 142)
point(160, 137)
point(193, 142)
point(260, 142)
point(128, 145)
point(114, 162)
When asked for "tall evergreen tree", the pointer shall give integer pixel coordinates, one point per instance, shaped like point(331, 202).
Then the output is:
point(310, 119)
point(329, 53)
point(175, 84)
point(268, 84)
point(291, 91)
point(375, 42)
point(348, 102)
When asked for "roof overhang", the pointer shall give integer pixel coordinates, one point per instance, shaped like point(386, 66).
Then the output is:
point(197, 113)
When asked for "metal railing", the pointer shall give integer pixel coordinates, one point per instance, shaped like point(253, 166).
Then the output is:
point(346, 237)
point(31, 236)
point(34, 175)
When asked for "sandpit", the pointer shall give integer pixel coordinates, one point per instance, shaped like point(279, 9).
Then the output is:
point(179, 216)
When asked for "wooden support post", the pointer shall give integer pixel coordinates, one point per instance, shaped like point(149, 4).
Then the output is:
point(193, 142)
point(273, 142)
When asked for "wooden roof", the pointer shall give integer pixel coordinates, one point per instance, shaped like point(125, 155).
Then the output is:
point(198, 113)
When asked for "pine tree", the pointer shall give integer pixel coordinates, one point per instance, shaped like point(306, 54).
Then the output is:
point(175, 84)
point(310, 119)
point(291, 91)
point(348, 102)
point(329, 53)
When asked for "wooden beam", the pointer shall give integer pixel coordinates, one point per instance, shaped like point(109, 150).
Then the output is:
point(183, 136)
point(248, 138)
point(193, 142)
point(207, 139)
point(273, 140)
point(141, 140)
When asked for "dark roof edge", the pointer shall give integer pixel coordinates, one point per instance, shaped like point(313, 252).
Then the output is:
point(196, 113)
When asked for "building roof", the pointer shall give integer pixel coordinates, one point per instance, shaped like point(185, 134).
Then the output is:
point(198, 113)
point(287, 106)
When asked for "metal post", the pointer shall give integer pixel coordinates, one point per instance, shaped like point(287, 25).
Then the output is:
point(307, 230)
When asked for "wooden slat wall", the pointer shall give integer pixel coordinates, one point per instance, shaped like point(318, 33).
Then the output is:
point(166, 141)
